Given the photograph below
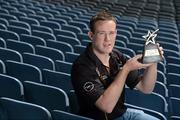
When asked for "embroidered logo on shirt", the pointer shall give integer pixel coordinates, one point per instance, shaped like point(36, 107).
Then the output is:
point(88, 86)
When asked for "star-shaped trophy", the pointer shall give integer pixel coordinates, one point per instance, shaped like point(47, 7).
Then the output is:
point(151, 53)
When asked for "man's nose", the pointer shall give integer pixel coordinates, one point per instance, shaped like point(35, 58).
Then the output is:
point(107, 37)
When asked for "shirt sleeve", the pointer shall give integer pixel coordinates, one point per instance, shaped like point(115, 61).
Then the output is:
point(86, 83)
point(132, 79)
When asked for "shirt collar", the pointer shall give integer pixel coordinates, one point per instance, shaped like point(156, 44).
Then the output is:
point(93, 57)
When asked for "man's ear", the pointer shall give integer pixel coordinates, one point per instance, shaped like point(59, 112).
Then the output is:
point(90, 34)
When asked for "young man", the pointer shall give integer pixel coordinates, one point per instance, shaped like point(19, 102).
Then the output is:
point(99, 75)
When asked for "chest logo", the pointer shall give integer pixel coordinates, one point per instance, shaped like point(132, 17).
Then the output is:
point(88, 86)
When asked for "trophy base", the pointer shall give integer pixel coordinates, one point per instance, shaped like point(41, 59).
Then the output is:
point(151, 59)
point(151, 54)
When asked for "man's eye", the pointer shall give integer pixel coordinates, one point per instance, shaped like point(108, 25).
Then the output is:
point(101, 33)
point(112, 33)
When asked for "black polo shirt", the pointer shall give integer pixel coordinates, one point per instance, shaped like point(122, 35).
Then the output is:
point(90, 79)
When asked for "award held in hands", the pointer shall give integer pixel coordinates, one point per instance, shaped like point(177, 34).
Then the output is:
point(151, 53)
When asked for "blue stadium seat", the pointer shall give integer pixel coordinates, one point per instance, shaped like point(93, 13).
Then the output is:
point(39, 61)
point(174, 90)
point(71, 28)
point(61, 115)
point(44, 35)
point(162, 66)
point(8, 16)
point(63, 66)
point(174, 104)
point(11, 87)
point(2, 67)
point(70, 15)
point(28, 20)
point(173, 68)
point(85, 42)
point(173, 59)
point(30, 6)
point(168, 35)
point(71, 40)
point(2, 43)
point(58, 79)
point(26, 11)
point(148, 111)
point(59, 20)
point(18, 30)
point(23, 71)
point(126, 51)
point(66, 18)
point(51, 24)
point(170, 46)
point(9, 35)
point(83, 36)
point(33, 40)
point(147, 100)
point(80, 48)
point(52, 53)
point(65, 33)
point(168, 52)
point(60, 45)
point(44, 14)
point(18, 14)
point(74, 105)
point(41, 28)
point(19, 110)
point(20, 46)
point(79, 24)
point(50, 97)
point(136, 47)
point(3, 27)
point(4, 21)
point(9, 8)
point(9, 54)
point(71, 57)
point(52, 12)
point(37, 17)
point(17, 5)
point(166, 39)
point(161, 77)
point(173, 78)
point(4, 11)
point(20, 24)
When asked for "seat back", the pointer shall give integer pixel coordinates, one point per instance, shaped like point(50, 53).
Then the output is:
point(147, 100)
point(39, 61)
point(8, 54)
point(174, 104)
point(58, 79)
point(11, 87)
point(52, 53)
point(2, 67)
point(47, 96)
point(18, 110)
point(20, 46)
point(62, 115)
point(23, 71)
point(62, 66)
point(174, 90)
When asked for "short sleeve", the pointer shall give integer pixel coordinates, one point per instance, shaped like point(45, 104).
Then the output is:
point(86, 83)
point(132, 79)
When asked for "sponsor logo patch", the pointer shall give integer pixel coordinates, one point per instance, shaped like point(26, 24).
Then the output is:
point(88, 86)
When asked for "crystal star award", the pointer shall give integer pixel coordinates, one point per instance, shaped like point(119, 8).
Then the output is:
point(151, 53)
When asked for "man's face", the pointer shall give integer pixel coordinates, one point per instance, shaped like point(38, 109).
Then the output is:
point(104, 36)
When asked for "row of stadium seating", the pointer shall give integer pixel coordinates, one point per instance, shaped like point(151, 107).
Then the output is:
point(40, 39)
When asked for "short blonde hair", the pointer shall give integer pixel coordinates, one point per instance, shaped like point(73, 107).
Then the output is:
point(102, 15)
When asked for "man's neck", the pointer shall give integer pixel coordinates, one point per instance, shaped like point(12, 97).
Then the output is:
point(104, 58)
